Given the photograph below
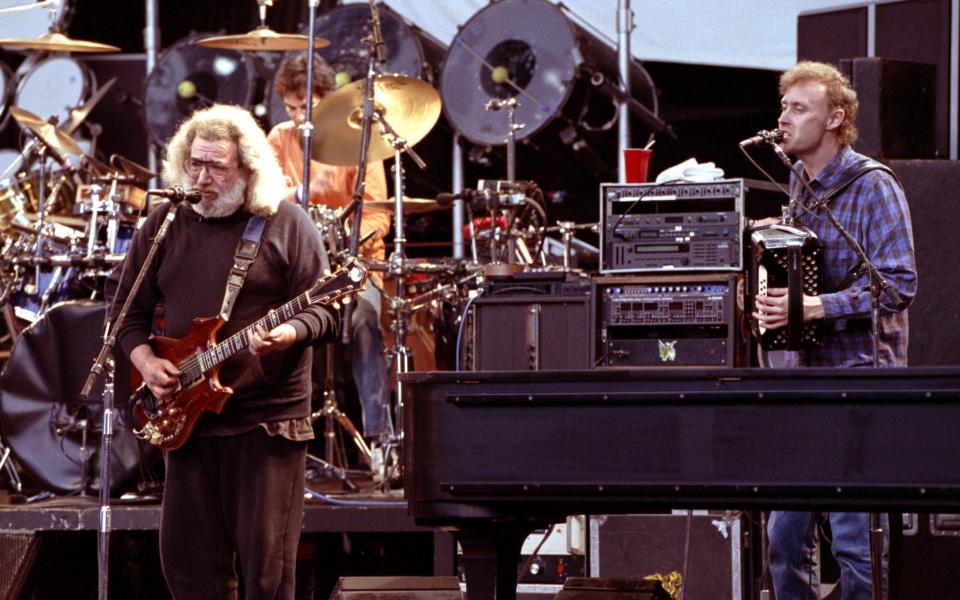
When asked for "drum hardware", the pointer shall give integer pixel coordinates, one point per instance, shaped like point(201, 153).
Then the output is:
point(263, 39)
point(566, 229)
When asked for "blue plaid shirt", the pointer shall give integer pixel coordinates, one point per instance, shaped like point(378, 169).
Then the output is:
point(873, 209)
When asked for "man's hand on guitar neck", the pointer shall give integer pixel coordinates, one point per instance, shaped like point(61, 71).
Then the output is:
point(280, 337)
point(160, 375)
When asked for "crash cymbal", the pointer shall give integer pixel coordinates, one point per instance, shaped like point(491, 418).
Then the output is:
point(263, 39)
point(54, 41)
point(49, 134)
point(139, 172)
point(77, 115)
point(410, 106)
point(411, 206)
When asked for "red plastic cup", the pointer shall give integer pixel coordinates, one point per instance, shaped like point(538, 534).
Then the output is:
point(636, 162)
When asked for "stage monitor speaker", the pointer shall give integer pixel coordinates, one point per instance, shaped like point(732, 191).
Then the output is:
point(896, 117)
point(17, 553)
point(397, 588)
point(585, 588)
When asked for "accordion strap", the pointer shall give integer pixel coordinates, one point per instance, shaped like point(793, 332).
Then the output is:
point(866, 167)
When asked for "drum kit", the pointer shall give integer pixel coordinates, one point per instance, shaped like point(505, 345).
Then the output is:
point(66, 218)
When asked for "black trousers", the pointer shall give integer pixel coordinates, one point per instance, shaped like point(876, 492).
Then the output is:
point(229, 502)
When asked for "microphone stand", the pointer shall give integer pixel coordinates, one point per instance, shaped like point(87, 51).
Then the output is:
point(877, 286)
point(375, 41)
point(104, 361)
point(306, 128)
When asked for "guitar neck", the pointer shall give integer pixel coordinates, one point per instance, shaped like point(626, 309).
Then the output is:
point(240, 340)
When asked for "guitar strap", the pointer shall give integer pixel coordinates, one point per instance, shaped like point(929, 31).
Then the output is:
point(247, 248)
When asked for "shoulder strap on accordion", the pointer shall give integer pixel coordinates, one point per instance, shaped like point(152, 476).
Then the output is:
point(866, 167)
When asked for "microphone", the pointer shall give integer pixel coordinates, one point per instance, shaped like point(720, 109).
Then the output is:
point(773, 136)
point(177, 194)
point(467, 195)
point(491, 195)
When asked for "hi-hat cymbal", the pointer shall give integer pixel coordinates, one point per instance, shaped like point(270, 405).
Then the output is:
point(49, 134)
point(410, 106)
point(263, 39)
point(54, 41)
point(411, 206)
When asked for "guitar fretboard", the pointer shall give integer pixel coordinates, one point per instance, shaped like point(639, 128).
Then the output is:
point(196, 365)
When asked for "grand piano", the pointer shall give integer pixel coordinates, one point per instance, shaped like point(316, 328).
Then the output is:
point(494, 455)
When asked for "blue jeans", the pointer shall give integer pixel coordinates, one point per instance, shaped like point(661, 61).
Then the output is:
point(793, 560)
point(370, 362)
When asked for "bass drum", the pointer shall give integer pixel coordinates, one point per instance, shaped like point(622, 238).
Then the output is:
point(557, 71)
point(55, 86)
point(409, 50)
point(54, 432)
point(190, 77)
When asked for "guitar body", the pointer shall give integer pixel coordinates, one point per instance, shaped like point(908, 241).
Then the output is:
point(168, 423)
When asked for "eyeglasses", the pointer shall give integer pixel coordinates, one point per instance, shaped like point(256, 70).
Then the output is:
point(216, 170)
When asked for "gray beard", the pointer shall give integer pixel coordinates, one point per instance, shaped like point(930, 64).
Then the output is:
point(223, 205)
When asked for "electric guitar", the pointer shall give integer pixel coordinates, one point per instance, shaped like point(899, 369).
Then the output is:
point(168, 422)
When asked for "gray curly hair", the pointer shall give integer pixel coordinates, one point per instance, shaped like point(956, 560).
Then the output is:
point(225, 122)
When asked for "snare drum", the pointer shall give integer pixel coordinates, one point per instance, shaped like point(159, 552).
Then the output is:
point(55, 86)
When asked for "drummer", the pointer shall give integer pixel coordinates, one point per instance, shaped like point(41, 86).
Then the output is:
point(333, 186)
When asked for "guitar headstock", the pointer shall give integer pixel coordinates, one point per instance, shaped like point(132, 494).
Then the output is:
point(347, 279)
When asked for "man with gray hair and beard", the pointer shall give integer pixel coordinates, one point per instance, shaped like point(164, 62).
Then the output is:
point(233, 498)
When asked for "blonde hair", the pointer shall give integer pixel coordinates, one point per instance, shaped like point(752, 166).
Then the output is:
point(840, 94)
point(219, 122)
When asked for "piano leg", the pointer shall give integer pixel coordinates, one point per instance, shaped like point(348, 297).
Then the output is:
point(491, 553)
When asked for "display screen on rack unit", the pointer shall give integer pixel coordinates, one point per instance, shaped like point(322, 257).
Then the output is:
point(679, 226)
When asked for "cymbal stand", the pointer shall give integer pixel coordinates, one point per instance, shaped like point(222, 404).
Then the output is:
point(400, 353)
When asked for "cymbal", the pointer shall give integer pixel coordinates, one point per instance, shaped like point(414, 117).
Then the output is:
point(77, 115)
point(98, 168)
point(54, 41)
point(411, 206)
point(49, 134)
point(410, 106)
point(135, 170)
point(263, 39)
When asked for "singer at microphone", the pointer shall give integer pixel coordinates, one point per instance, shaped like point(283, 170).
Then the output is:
point(177, 194)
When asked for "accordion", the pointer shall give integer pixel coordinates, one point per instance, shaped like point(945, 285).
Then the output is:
point(786, 257)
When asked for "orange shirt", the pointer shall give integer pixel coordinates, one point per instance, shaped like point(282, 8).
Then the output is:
point(288, 146)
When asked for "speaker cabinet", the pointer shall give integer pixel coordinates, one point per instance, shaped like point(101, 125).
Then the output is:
point(896, 106)
point(931, 187)
point(397, 588)
point(531, 326)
